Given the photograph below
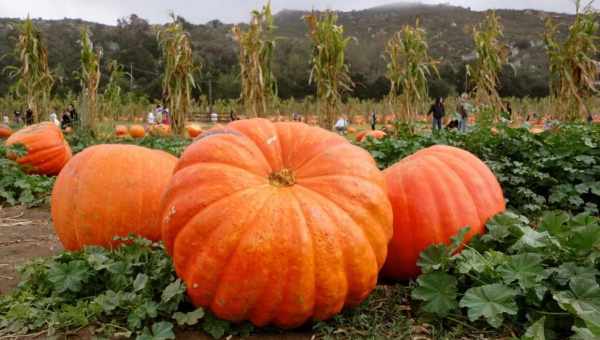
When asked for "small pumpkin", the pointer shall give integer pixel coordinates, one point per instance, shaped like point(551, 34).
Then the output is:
point(375, 134)
point(351, 130)
point(435, 193)
point(47, 149)
point(162, 130)
point(121, 131)
point(310, 238)
point(194, 130)
point(107, 191)
point(137, 131)
point(5, 131)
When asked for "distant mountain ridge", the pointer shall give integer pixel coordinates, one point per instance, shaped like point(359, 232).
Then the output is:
point(133, 43)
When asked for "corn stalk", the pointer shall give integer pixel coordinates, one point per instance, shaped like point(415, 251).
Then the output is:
point(35, 81)
point(259, 87)
point(113, 92)
point(408, 69)
point(573, 70)
point(90, 80)
point(179, 69)
point(491, 56)
point(329, 71)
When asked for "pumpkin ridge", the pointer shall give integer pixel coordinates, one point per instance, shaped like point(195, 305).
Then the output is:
point(301, 225)
point(47, 153)
point(454, 206)
point(186, 263)
point(263, 125)
point(482, 173)
point(299, 168)
point(234, 143)
point(372, 242)
point(234, 253)
point(185, 189)
point(343, 261)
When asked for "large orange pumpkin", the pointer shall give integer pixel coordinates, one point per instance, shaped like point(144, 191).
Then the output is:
point(5, 131)
point(47, 149)
point(276, 223)
point(110, 190)
point(121, 131)
point(435, 193)
point(137, 131)
point(375, 134)
point(194, 130)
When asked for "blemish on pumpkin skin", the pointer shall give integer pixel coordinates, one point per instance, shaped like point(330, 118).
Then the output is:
point(172, 212)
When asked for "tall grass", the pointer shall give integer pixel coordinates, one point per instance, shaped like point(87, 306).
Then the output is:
point(256, 46)
point(35, 81)
point(90, 80)
point(574, 71)
point(330, 71)
point(179, 70)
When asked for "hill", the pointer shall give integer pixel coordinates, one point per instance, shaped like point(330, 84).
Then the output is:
point(133, 43)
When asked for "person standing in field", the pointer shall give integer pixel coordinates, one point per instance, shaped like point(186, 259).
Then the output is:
point(341, 125)
point(66, 120)
point(439, 111)
point(74, 117)
point(463, 111)
point(158, 114)
point(29, 117)
point(373, 120)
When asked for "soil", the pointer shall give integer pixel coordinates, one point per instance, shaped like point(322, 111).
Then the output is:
point(26, 234)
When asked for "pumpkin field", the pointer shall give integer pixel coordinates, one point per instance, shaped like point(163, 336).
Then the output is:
point(304, 219)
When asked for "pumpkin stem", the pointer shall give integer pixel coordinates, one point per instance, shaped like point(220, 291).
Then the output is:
point(283, 178)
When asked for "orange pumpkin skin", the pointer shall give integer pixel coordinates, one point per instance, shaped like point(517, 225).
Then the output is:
point(110, 190)
point(194, 130)
point(351, 130)
point(47, 149)
point(375, 134)
point(121, 131)
point(276, 223)
point(5, 131)
point(435, 193)
point(137, 131)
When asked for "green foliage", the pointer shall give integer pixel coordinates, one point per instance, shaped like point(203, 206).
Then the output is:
point(173, 145)
point(519, 277)
point(553, 170)
point(94, 288)
point(19, 188)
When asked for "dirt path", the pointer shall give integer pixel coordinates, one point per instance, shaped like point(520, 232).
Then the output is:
point(24, 235)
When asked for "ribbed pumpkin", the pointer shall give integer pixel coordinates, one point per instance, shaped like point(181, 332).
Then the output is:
point(47, 149)
point(194, 130)
point(161, 130)
point(435, 193)
point(121, 131)
point(110, 190)
point(5, 131)
point(375, 134)
point(276, 223)
point(137, 131)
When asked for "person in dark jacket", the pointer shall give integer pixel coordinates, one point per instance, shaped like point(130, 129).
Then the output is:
point(373, 120)
point(65, 120)
point(439, 111)
point(29, 116)
point(74, 117)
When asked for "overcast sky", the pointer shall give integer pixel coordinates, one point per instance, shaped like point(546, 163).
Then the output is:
point(229, 11)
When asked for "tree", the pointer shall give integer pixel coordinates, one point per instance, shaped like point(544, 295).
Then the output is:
point(573, 69)
point(35, 81)
point(329, 71)
point(179, 70)
point(409, 67)
point(90, 80)
point(256, 47)
point(491, 56)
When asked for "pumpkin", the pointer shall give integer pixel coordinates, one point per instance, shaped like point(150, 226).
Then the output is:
point(375, 134)
point(137, 131)
point(435, 193)
point(388, 119)
point(351, 130)
point(194, 130)
point(276, 223)
point(47, 149)
point(110, 190)
point(358, 120)
point(121, 131)
point(161, 130)
point(5, 131)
